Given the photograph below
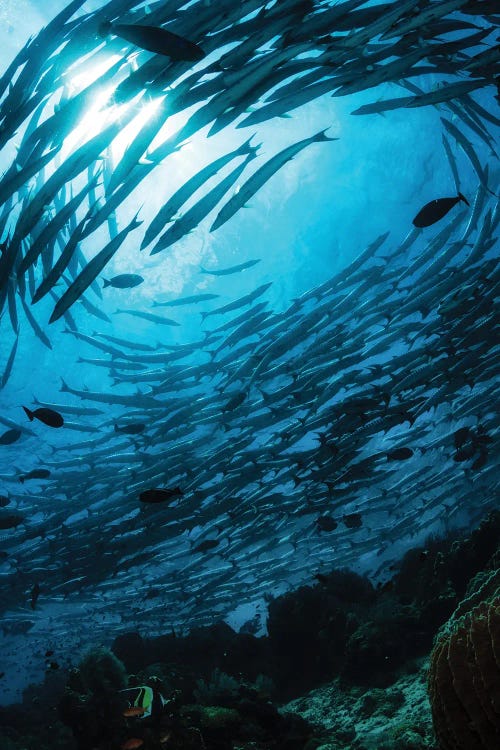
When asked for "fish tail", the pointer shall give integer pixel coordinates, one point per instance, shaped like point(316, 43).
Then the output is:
point(246, 148)
point(462, 198)
point(105, 283)
point(321, 136)
point(29, 414)
point(64, 386)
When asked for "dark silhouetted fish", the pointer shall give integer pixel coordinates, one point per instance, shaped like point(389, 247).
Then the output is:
point(134, 428)
point(193, 299)
point(326, 523)
point(35, 593)
point(436, 210)
point(232, 269)
point(48, 416)
point(155, 39)
point(461, 436)
point(10, 437)
point(124, 281)
point(160, 495)
point(35, 474)
point(10, 520)
point(91, 271)
point(399, 454)
point(353, 520)
point(205, 546)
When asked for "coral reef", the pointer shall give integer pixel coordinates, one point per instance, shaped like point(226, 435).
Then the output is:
point(100, 671)
point(395, 718)
point(360, 649)
point(464, 676)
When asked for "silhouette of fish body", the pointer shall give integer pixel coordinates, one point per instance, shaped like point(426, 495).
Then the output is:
point(435, 210)
point(155, 39)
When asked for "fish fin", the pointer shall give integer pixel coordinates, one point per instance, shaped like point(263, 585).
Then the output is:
point(106, 283)
point(29, 414)
point(462, 198)
point(64, 386)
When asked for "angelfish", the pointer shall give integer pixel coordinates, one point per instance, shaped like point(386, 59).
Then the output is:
point(436, 209)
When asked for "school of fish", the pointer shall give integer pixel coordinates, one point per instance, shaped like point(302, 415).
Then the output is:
point(279, 444)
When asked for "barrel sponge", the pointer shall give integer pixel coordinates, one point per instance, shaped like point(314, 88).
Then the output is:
point(464, 680)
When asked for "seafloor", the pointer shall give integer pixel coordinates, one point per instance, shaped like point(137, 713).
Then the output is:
point(344, 666)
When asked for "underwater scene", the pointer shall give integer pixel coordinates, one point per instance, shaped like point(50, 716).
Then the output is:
point(249, 375)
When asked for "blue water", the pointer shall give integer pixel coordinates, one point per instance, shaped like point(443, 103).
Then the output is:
point(86, 540)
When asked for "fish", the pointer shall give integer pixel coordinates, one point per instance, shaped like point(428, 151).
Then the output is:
point(326, 523)
point(133, 743)
point(151, 317)
point(61, 264)
point(194, 215)
point(155, 39)
point(403, 334)
point(10, 520)
point(461, 436)
point(91, 271)
point(399, 454)
point(262, 175)
point(81, 411)
point(35, 593)
point(35, 474)
point(205, 546)
point(52, 228)
point(436, 210)
point(133, 712)
point(133, 428)
point(177, 200)
point(10, 363)
point(50, 417)
point(4, 501)
point(247, 299)
point(231, 269)
point(10, 436)
point(160, 495)
point(353, 520)
point(191, 300)
point(124, 281)
point(37, 329)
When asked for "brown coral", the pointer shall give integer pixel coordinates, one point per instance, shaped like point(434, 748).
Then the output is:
point(464, 681)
